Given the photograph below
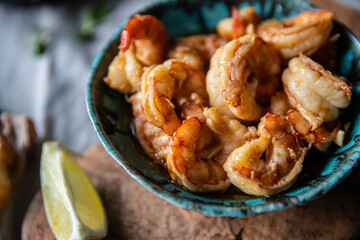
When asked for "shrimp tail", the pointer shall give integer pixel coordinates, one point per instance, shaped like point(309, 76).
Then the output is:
point(239, 24)
point(125, 40)
point(141, 27)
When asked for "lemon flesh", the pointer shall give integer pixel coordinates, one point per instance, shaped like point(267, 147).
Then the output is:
point(73, 208)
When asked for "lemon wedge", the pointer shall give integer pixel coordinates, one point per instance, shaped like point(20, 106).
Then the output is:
point(73, 208)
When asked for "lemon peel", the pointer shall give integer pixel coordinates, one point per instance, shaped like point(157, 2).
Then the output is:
point(72, 205)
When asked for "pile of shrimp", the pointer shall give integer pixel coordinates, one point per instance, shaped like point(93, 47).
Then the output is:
point(242, 106)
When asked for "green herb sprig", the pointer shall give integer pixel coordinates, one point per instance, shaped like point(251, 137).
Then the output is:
point(95, 14)
point(40, 42)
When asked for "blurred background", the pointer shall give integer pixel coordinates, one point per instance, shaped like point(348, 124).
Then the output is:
point(46, 51)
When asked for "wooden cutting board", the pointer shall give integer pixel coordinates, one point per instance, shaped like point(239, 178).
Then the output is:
point(135, 213)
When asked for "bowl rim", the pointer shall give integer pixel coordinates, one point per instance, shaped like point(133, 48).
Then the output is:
point(207, 208)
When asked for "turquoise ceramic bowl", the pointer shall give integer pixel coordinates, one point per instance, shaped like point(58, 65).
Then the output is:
point(111, 115)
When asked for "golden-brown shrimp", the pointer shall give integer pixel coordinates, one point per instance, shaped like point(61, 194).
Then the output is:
point(149, 36)
point(228, 132)
point(150, 39)
point(243, 73)
point(241, 23)
point(153, 139)
point(281, 164)
point(205, 45)
point(315, 92)
point(321, 137)
point(187, 166)
point(158, 87)
point(279, 103)
point(187, 54)
point(196, 50)
point(194, 107)
point(163, 82)
point(304, 33)
point(188, 81)
point(125, 71)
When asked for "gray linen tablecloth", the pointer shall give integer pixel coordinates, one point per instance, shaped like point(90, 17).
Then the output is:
point(50, 88)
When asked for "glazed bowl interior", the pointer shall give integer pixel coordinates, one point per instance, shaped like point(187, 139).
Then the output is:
point(111, 115)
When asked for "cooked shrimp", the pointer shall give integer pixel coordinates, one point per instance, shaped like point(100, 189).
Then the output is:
point(315, 92)
point(241, 23)
point(279, 103)
point(228, 132)
point(153, 139)
point(243, 73)
point(157, 89)
point(149, 36)
point(304, 33)
point(320, 137)
point(281, 164)
point(150, 39)
point(188, 81)
point(196, 50)
point(194, 107)
point(187, 54)
point(205, 45)
point(124, 73)
point(186, 165)
point(163, 82)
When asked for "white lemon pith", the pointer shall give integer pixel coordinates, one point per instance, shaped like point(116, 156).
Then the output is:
point(73, 208)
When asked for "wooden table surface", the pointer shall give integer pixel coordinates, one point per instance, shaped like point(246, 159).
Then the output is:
point(135, 213)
